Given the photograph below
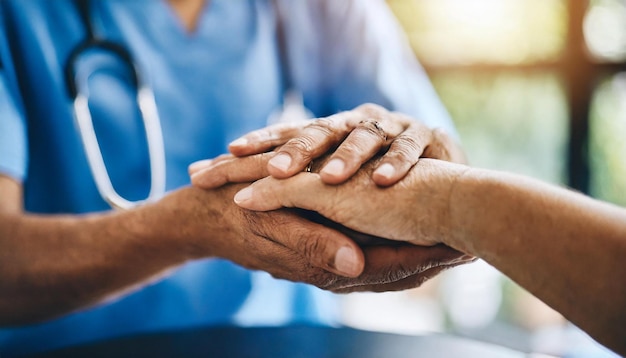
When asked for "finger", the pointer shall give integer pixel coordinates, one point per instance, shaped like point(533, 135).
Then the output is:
point(206, 163)
point(359, 146)
point(199, 165)
point(284, 263)
point(444, 147)
point(408, 283)
point(387, 264)
point(265, 139)
point(296, 269)
point(418, 279)
point(271, 193)
point(403, 154)
point(321, 246)
point(368, 137)
point(232, 170)
point(314, 140)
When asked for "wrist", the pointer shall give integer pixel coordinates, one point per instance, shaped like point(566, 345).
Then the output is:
point(465, 206)
point(156, 228)
point(191, 222)
point(433, 185)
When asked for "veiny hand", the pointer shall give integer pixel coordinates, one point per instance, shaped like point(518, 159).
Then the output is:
point(415, 210)
point(359, 135)
point(291, 247)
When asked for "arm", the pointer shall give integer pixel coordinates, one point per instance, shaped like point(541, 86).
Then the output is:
point(565, 248)
point(52, 265)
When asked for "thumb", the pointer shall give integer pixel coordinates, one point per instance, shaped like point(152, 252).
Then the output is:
point(321, 246)
point(304, 190)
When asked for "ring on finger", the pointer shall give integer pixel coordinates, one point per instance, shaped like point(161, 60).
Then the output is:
point(375, 126)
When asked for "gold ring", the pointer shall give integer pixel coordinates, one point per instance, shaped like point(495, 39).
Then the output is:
point(308, 167)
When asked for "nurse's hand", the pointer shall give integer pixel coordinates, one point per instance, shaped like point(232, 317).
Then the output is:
point(209, 224)
point(357, 135)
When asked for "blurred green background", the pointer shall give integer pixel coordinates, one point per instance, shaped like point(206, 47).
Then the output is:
point(501, 67)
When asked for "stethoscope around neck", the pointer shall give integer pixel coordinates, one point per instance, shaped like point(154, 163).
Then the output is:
point(76, 82)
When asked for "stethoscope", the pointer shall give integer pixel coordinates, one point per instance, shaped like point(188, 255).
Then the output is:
point(76, 81)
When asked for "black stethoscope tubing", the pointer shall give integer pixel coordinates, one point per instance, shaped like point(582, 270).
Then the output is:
point(77, 91)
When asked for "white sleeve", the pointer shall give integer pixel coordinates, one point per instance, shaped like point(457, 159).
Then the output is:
point(349, 52)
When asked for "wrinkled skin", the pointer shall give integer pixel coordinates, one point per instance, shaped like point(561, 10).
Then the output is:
point(351, 138)
point(291, 247)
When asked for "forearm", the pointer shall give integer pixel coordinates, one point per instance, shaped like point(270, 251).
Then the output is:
point(565, 248)
point(50, 265)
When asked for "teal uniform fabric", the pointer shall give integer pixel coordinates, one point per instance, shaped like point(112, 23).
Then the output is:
point(211, 86)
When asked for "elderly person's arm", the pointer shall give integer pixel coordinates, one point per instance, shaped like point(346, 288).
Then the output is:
point(565, 248)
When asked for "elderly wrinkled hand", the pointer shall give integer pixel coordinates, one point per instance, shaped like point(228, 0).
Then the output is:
point(415, 210)
point(358, 136)
point(290, 246)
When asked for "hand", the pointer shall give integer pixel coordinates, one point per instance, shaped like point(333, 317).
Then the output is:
point(360, 134)
point(288, 246)
point(415, 210)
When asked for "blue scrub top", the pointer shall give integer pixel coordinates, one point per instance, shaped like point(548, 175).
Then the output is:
point(211, 86)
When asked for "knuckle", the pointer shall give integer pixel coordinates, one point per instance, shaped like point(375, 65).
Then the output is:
point(260, 161)
point(407, 147)
point(303, 145)
point(408, 141)
point(372, 128)
point(438, 150)
point(323, 125)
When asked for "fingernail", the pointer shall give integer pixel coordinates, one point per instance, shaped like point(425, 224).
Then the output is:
point(281, 162)
point(346, 261)
point(241, 142)
point(386, 171)
point(196, 166)
point(243, 195)
point(334, 168)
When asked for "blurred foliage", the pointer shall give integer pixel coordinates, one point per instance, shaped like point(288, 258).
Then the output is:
point(608, 140)
point(517, 120)
point(453, 32)
point(513, 121)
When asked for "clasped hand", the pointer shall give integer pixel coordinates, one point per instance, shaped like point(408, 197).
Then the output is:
point(328, 255)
